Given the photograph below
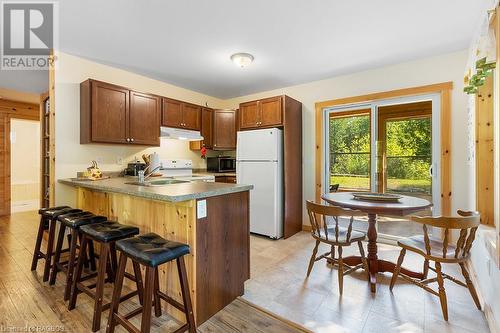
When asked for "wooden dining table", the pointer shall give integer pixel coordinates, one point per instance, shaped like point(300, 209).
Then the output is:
point(405, 206)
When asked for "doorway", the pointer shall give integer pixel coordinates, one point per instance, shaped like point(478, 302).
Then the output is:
point(386, 146)
point(25, 164)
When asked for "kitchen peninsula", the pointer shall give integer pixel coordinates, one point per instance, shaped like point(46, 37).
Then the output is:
point(213, 218)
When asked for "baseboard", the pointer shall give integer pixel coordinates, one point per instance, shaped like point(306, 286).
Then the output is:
point(306, 227)
point(490, 318)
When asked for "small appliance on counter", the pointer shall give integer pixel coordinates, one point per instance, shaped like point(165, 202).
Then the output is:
point(134, 168)
point(182, 170)
point(221, 164)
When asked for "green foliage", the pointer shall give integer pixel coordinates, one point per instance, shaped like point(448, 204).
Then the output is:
point(408, 153)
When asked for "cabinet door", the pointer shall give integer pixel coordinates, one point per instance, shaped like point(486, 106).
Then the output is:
point(220, 179)
point(249, 115)
point(109, 113)
point(144, 119)
point(231, 179)
point(171, 113)
point(207, 127)
point(191, 116)
point(271, 111)
point(224, 130)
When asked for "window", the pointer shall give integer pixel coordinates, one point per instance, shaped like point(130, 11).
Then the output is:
point(349, 136)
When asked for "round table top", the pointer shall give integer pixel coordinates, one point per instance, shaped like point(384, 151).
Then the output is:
point(405, 206)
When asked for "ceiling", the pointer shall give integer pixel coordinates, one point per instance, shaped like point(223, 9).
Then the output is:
point(188, 42)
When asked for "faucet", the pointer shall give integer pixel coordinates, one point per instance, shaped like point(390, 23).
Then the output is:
point(143, 175)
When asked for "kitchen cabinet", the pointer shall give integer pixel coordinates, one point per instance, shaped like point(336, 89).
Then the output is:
point(144, 117)
point(224, 130)
point(114, 114)
point(266, 112)
point(180, 114)
point(218, 128)
point(225, 179)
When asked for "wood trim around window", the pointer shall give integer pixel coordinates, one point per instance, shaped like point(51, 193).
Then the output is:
point(442, 88)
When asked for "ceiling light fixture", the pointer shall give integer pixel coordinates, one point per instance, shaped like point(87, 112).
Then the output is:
point(242, 59)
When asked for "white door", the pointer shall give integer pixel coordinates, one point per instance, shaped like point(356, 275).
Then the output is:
point(266, 205)
point(259, 145)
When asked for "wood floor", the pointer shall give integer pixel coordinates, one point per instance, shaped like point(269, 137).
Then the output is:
point(278, 283)
point(29, 305)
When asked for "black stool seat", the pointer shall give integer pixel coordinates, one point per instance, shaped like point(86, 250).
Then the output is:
point(43, 210)
point(75, 221)
point(55, 213)
point(109, 231)
point(151, 249)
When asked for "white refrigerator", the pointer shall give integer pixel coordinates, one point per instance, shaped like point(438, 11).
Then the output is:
point(259, 162)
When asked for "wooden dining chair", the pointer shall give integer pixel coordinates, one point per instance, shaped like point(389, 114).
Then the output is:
point(441, 251)
point(326, 229)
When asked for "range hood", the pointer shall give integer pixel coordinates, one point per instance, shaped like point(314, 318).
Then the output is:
point(180, 134)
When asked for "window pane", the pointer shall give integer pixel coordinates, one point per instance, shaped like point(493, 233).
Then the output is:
point(350, 151)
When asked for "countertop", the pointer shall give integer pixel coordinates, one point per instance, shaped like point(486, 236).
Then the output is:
point(172, 192)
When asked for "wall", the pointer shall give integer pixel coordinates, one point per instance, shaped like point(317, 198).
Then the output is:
point(71, 155)
point(443, 68)
point(25, 164)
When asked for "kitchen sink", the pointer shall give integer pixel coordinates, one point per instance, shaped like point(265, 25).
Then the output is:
point(159, 182)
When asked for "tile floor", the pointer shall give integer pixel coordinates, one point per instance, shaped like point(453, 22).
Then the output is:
point(278, 271)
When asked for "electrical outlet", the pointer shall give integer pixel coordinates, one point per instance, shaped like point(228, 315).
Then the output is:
point(201, 209)
point(119, 160)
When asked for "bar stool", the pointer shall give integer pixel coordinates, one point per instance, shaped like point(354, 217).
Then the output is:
point(73, 221)
point(106, 234)
point(150, 250)
point(48, 216)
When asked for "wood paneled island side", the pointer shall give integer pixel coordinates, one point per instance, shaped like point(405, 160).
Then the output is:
point(219, 262)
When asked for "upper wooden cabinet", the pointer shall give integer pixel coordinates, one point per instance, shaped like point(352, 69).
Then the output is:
point(218, 128)
point(114, 114)
point(181, 115)
point(262, 113)
point(207, 127)
point(144, 117)
point(224, 133)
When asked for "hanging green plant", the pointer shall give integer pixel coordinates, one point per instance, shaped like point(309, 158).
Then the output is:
point(483, 70)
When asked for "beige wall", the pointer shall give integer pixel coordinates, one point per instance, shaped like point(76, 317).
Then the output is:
point(444, 68)
point(25, 164)
point(71, 155)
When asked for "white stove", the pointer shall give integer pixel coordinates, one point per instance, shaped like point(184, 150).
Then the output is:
point(182, 170)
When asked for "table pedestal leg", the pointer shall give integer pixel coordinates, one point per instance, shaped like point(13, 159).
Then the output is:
point(372, 250)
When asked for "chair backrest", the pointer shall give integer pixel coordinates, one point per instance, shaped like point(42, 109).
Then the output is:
point(334, 188)
point(318, 214)
point(467, 222)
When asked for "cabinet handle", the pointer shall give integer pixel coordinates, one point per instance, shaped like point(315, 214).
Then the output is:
point(128, 140)
point(132, 140)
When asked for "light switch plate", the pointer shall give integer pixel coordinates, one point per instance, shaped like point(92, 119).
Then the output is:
point(201, 209)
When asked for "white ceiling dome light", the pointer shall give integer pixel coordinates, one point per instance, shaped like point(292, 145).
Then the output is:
point(242, 59)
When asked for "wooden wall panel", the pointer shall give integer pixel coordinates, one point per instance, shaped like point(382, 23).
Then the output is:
point(485, 153)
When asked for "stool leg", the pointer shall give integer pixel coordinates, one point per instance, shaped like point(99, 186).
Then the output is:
point(38, 244)
point(71, 263)
point(93, 266)
point(86, 262)
point(115, 302)
point(78, 273)
point(101, 275)
point(57, 254)
point(186, 296)
point(50, 249)
point(138, 280)
point(148, 300)
point(156, 297)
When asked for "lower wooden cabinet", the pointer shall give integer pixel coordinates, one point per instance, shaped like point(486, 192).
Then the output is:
point(225, 179)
